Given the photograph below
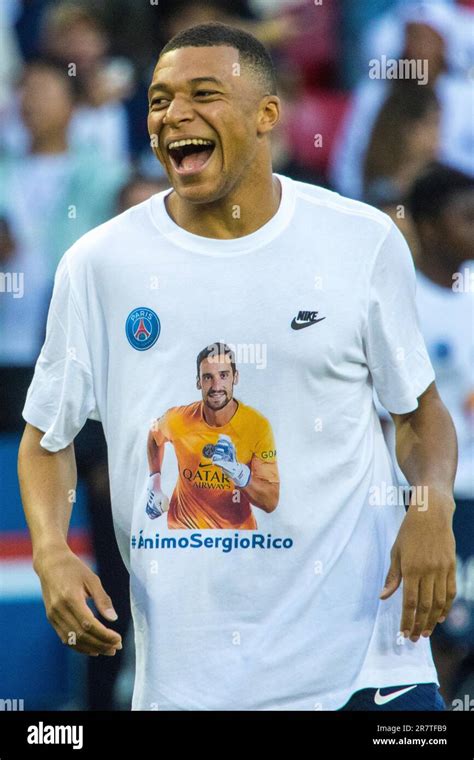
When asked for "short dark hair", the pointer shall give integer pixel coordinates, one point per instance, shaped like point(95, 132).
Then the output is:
point(252, 53)
point(216, 349)
point(433, 190)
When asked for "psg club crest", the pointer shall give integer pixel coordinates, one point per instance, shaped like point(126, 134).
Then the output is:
point(208, 450)
point(142, 328)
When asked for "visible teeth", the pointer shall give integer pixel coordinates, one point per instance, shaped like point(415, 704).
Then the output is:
point(193, 141)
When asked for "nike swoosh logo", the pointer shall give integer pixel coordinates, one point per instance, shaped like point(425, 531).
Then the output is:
point(299, 325)
point(382, 699)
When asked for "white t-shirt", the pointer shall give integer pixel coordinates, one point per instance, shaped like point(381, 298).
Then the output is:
point(285, 616)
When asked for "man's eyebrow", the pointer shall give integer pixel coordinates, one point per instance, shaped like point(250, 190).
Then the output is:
point(196, 80)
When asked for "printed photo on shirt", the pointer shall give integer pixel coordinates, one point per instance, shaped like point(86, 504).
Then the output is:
point(225, 450)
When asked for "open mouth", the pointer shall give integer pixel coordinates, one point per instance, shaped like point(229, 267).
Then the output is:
point(218, 397)
point(190, 156)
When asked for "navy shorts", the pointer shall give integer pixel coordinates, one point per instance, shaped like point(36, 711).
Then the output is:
point(422, 696)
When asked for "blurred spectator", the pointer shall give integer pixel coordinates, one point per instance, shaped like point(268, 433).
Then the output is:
point(442, 207)
point(313, 49)
point(404, 140)
point(356, 18)
point(273, 30)
point(138, 189)
point(140, 30)
point(7, 244)
point(427, 31)
point(28, 17)
point(10, 59)
point(284, 149)
point(185, 13)
point(49, 198)
point(386, 35)
point(74, 35)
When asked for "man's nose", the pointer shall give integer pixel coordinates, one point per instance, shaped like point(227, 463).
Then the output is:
point(179, 109)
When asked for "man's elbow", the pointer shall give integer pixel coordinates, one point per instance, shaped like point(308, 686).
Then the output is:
point(271, 498)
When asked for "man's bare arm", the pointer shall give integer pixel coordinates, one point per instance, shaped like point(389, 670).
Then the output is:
point(262, 493)
point(424, 552)
point(47, 483)
point(426, 445)
point(155, 451)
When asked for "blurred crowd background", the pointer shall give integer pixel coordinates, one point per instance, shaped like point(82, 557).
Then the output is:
point(74, 151)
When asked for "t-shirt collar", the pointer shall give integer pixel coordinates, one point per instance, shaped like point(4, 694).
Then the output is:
point(216, 247)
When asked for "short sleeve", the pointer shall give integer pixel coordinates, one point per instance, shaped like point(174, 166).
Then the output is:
point(61, 394)
point(264, 460)
point(396, 354)
point(161, 429)
point(265, 447)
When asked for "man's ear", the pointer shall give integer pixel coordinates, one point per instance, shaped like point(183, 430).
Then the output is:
point(269, 113)
point(236, 377)
point(198, 384)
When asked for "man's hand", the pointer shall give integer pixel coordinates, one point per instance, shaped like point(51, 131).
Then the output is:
point(424, 556)
point(225, 457)
point(157, 501)
point(66, 583)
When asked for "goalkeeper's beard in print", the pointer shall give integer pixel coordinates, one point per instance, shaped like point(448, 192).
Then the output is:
point(216, 399)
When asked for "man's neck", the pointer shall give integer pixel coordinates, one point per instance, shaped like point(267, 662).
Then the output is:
point(244, 210)
point(219, 417)
point(437, 270)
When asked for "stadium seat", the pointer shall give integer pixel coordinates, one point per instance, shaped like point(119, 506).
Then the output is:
point(318, 113)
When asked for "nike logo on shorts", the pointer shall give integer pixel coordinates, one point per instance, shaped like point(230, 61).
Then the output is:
point(382, 699)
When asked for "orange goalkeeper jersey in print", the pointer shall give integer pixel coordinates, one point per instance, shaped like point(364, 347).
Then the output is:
point(204, 496)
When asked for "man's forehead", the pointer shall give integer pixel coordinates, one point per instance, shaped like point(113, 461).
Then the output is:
point(216, 363)
point(180, 66)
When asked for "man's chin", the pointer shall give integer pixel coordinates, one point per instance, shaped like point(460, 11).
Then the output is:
point(216, 406)
point(206, 188)
point(197, 192)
